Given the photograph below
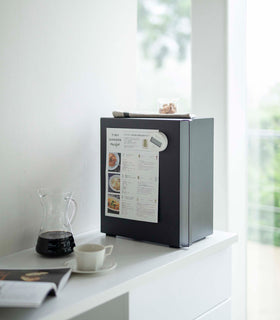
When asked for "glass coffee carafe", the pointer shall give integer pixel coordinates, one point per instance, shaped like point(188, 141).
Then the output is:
point(55, 237)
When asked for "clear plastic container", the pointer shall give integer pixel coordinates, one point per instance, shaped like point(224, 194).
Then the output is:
point(167, 106)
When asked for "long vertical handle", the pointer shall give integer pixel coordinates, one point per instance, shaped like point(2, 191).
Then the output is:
point(73, 215)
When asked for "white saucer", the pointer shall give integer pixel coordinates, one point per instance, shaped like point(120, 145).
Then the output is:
point(109, 264)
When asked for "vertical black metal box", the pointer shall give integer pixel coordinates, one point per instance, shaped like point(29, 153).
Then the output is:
point(185, 212)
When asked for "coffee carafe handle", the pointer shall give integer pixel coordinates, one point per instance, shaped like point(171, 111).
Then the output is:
point(74, 212)
point(108, 249)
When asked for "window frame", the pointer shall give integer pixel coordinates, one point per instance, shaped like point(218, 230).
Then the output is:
point(219, 91)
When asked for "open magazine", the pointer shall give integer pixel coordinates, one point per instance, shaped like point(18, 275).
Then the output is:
point(28, 288)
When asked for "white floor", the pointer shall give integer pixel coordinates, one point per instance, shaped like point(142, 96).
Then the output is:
point(263, 274)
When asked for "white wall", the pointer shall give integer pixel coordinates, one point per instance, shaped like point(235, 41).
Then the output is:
point(237, 151)
point(63, 64)
point(209, 89)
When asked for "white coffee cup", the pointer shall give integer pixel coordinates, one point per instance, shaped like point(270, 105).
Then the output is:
point(90, 257)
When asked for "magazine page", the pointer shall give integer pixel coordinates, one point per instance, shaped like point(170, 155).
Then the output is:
point(132, 174)
point(24, 294)
point(29, 287)
point(36, 275)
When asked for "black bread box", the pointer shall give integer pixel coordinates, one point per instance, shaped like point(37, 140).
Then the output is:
point(185, 203)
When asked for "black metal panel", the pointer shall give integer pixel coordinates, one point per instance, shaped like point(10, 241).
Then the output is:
point(184, 182)
point(201, 179)
point(167, 230)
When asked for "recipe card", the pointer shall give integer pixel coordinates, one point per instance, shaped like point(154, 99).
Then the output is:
point(132, 174)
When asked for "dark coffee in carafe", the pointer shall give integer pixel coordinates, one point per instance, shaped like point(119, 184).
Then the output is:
point(55, 243)
point(55, 236)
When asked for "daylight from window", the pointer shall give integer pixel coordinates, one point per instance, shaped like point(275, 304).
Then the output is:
point(263, 73)
point(163, 57)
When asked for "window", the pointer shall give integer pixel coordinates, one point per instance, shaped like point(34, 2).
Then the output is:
point(163, 59)
point(263, 69)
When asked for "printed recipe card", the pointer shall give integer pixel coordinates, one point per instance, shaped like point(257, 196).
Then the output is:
point(132, 175)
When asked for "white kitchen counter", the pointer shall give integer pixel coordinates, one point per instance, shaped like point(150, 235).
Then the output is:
point(139, 264)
